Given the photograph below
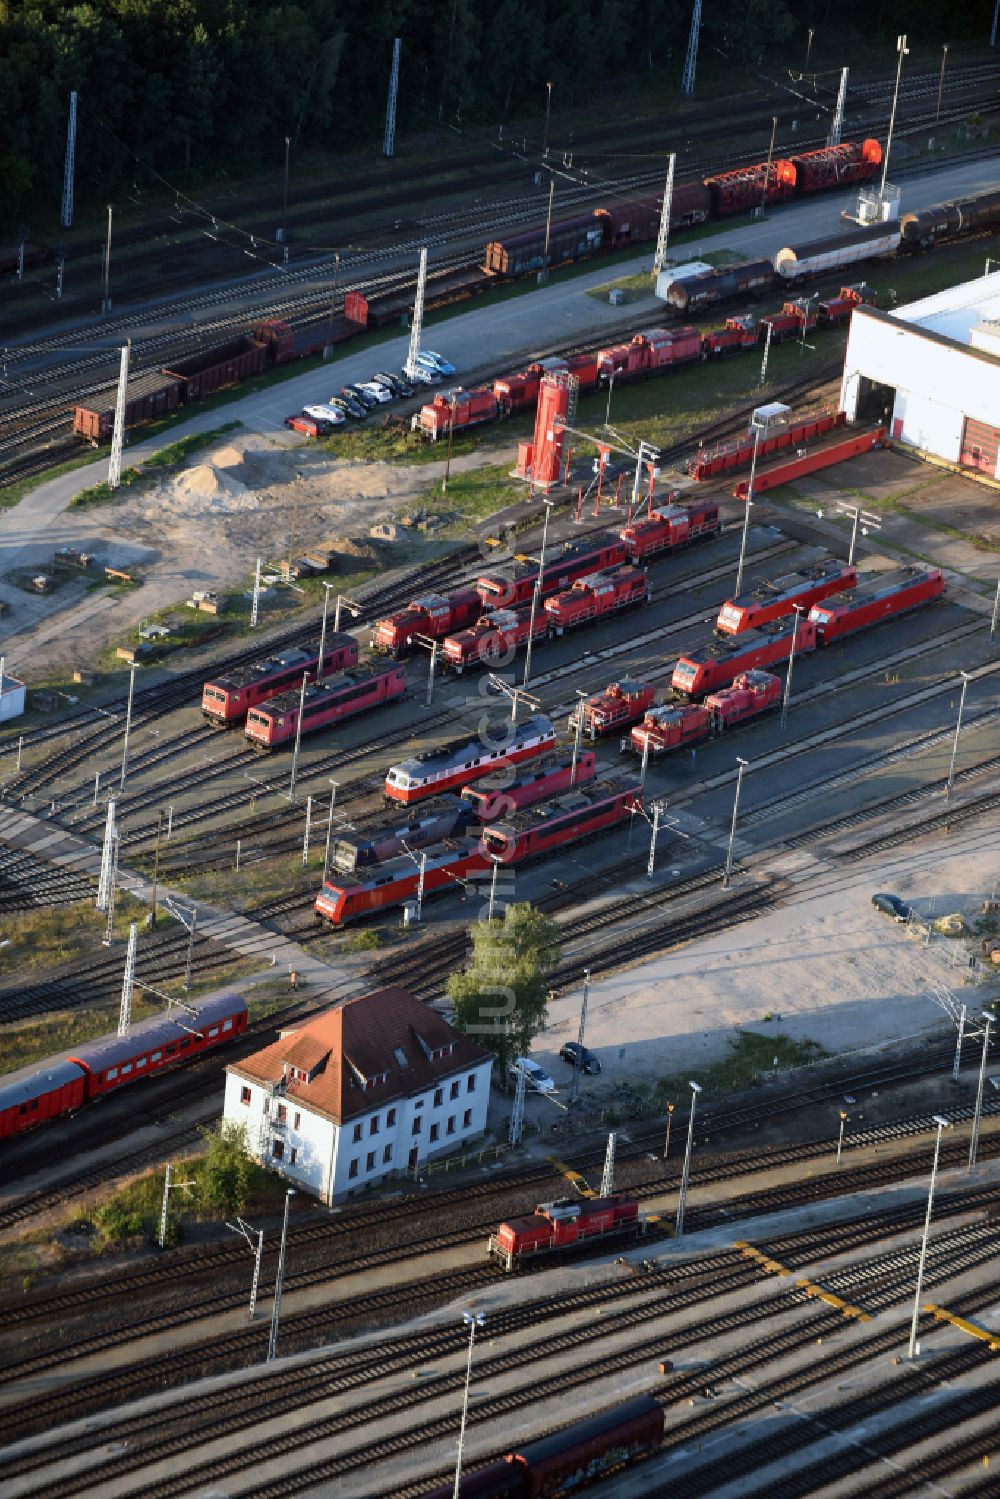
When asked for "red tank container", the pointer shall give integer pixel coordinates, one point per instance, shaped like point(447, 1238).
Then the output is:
point(547, 447)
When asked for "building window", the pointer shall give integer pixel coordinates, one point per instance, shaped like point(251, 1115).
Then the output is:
point(370, 1161)
point(244, 1094)
point(416, 1125)
point(438, 1097)
point(373, 1125)
point(434, 1131)
point(282, 1113)
point(454, 1088)
point(451, 1124)
point(467, 1119)
point(352, 1173)
point(278, 1149)
point(470, 1084)
point(387, 1155)
point(358, 1132)
point(291, 1158)
point(298, 1121)
point(390, 1119)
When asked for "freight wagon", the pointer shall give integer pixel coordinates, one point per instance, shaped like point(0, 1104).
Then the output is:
point(751, 187)
point(335, 699)
point(668, 528)
point(717, 664)
point(494, 639)
point(565, 1225)
point(563, 565)
point(871, 242)
point(596, 597)
point(214, 369)
point(503, 792)
point(778, 597)
point(460, 761)
point(563, 820)
point(147, 398)
point(836, 166)
point(575, 238)
point(877, 597)
point(708, 463)
point(434, 616)
point(227, 700)
point(620, 704)
point(707, 290)
point(678, 724)
point(945, 220)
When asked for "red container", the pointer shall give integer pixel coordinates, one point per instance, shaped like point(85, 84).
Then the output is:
point(779, 597)
point(875, 599)
point(596, 597)
point(356, 308)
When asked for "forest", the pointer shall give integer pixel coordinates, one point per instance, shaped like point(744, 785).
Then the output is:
point(196, 89)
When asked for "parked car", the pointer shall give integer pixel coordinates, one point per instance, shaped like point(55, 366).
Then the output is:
point(423, 374)
point(535, 1076)
point(357, 393)
point(307, 426)
point(373, 388)
point(350, 407)
point(395, 383)
point(891, 905)
point(589, 1063)
point(436, 362)
point(323, 413)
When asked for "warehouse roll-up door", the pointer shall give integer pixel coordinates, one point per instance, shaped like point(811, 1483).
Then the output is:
point(979, 446)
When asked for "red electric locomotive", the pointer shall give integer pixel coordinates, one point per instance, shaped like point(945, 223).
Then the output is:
point(597, 596)
point(434, 616)
point(620, 704)
point(555, 1227)
point(875, 599)
point(563, 820)
point(460, 761)
point(227, 700)
point(563, 565)
point(494, 639)
point(669, 527)
point(773, 600)
point(328, 702)
point(718, 663)
point(392, 883)
point(503, 792)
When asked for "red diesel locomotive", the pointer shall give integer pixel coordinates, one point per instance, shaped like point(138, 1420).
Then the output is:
point(434, 616)
point(718, 663)
point(555, 1227)
point(669, 527)
point(328, 702)
point(563, 565)
point(875, 599)
point(460, 761)
point(597, 596)
point(494, 638)
point(778, 597)
point(677, 724)
point(620, 704)
point(227, 700)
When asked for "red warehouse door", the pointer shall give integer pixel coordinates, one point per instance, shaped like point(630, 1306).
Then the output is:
point(979, 446)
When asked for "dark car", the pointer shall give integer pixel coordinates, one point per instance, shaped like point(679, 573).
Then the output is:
point(589, 1063)
point(891, 905)
point(398, 386)
point(363, 397)
point(350, 407)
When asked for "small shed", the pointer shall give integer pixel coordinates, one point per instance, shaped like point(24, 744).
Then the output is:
point(12, 695)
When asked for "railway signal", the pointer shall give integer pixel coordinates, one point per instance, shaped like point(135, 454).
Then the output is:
point(670, 1119)
point(863, 520)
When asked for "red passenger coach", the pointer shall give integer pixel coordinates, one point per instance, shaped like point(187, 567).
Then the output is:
point(34, 1094)
point(564, 820)
point(877, 597)
point(228, 699)
point(503, 792)
point(461, 761)
point(597, 597)
point(716, 665)
point(113, 1061)
point(775, 599)
point(555, 1227)
point(435, 616)
point(668, 528)
point(563, 565)
point(328, 702)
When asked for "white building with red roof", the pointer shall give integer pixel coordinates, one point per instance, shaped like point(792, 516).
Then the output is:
point(363, 1092)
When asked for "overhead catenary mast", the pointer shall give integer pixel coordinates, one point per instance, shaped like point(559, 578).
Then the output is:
point(69, 171)
point(389, 143)
point(690, 62)
point(417, 325)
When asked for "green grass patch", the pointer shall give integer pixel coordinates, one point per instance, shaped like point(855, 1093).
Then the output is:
point(62, 934)
point(480, 492)
point(103, 494)
point(179, 451)
point(30, 1041)
point(751, 1058)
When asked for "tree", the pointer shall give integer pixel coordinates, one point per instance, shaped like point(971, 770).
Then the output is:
point(500, 998)
point(225, 1173)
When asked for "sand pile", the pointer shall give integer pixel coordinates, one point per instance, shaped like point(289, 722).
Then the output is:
point(215, 488)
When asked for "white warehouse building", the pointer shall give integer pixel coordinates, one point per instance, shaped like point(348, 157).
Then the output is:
point(359, 1094)
point(931, 371)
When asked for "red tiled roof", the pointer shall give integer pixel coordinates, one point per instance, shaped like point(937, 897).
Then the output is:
point(368, 1037)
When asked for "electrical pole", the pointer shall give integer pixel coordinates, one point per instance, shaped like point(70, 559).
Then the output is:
point(168, 1187)
point(791, 664)
point(472, 1320)
point(993, 28)
point(106, 878)
point(657, 808)
point(128, 982)
point(977, 1116)
point(944, 60)
point(284, 206)
point(902, 49)
point(670, 1119)
point(451, 438)
point(128, 725)
point(840, 1137)
point(958, 730)
point(329, 831)
point(109, 926)
point(996, 599)
point(240, 1227)
point(537, 593)
point(659, 259)
point(838, 113)
point(767, 169)
point(767, 354)
point(691, 60)
point(118, 434)
point(746, 513)
point(417, 325)
point(686, 1172)
point(69, 170)
point(574, 1094)
point(608, 1176)
point(548, 111)
point(517, 1112)
point(543, 274)
point(106, 304)
point(322, 633)
point(389, 141)
point(942, 1124)
point(493, 887)
point(156, 868)
point(420, 885)
point(578, 731)
point(308, 831)
point(255, 606)
point(279, 1280)
point(727, 877)
point(298, 734)
point(190, 951)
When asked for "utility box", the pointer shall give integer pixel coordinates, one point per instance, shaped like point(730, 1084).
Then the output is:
point(12, 695)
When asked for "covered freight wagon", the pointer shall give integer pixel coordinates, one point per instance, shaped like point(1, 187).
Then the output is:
point(146, 398)
point(854, 161)
point(214, 369)
point(569, 239)
point(719, 285)
point(872, 242)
